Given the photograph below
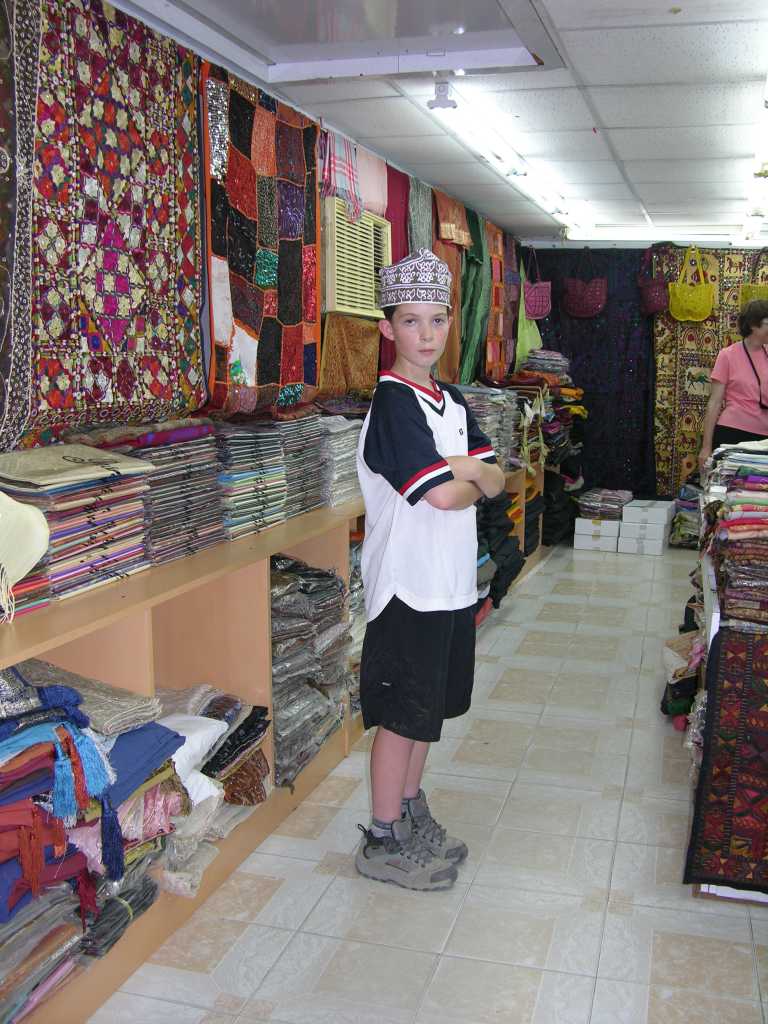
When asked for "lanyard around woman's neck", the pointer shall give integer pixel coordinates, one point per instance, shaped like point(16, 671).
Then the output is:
point(757, 375)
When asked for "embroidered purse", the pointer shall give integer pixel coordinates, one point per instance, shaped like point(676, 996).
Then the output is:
point(751, 290)
point(538, 294)
point(654, 295)
point(691, 301)
point(585, 299)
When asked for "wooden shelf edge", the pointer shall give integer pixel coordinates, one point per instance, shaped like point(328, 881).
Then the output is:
point(79, 1000)
point(31, 635)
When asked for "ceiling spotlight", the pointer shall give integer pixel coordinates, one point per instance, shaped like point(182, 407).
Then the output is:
point(459, 30)
point(442, 98)
point(460, 72)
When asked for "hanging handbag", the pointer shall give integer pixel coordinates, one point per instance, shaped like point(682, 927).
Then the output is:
point(751, 290)
point(691, 301)
point(654, 295)
point(581, 298)
point(538, 294)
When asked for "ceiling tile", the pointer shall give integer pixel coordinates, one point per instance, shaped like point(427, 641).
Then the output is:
point(653, 105)
point(685, 209)
point(396, 116)
point(537, 109)
point(614, 208)
point(576, 145)
point(687, 170)
point(598, 191)
point(474, 172)
point(712, 190)
point(688, 143)
point(604, 13)
point(480, 85)
point(330, 90)
point(413, 149)
point(679, 53)
point(579, 172)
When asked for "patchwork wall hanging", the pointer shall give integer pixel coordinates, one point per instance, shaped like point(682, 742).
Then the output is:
point(105, 295)
point(685, 355)
point(262, 221)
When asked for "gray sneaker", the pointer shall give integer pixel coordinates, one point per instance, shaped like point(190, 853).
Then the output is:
point(434, 835)
point(402, 859)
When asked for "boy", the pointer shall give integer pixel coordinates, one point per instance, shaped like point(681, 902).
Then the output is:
point(422, 463)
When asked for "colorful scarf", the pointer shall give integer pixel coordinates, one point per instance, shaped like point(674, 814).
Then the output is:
point(419, 215)
point(372, 174)
point(340, 177)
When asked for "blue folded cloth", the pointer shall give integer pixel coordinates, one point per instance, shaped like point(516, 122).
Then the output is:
point(137, 755)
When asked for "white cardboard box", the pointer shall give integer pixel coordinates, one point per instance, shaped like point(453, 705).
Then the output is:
point(586, 542)
point(636, 546)
point(598, 527)
point(648, 512)
point(644, 531)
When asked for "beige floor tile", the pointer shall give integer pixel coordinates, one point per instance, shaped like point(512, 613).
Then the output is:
point(594, 737)
point(663, 778)
point(654, 822)
point(660, 947)
point(522, 690)
point(592, 814)
point(530, 929)
point(621, 1002)
point(551, 612)
point(200, 944)
point(488, 753)
point(320, 979)
point(338, 835)
point(361, 911)
point(471, 801)
point(124, 1008)
point(499, 764)
point(760, 935)
point(652, 876)
point(335, 791)
point(516, 859)
point(472, 992)
point(601, 700)
point(549, 664)
point(516, 730)
point(572, 769)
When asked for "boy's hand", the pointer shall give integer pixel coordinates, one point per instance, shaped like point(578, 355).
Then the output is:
point(487, 478)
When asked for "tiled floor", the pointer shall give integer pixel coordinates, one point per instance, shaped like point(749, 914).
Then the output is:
point(573, 795)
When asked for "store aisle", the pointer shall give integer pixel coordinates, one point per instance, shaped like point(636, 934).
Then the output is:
point(573, 795)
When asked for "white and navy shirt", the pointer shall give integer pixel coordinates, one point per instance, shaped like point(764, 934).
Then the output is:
point(424, 556)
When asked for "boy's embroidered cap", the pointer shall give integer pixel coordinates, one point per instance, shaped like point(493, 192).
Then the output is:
point(419, 277)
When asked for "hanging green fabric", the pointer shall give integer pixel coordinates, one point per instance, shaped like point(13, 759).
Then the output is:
point(528, 336)
point(476, 298)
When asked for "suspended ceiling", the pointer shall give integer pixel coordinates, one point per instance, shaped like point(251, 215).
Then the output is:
point(651, 112)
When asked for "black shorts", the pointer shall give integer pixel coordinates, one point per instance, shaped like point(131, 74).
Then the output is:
point(417, 669)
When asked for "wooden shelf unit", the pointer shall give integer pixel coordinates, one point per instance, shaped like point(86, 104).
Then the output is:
point(204, 618)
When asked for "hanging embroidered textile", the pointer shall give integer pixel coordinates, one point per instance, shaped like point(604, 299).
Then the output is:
point(263, 270)
point(372, 171)
point(451, 220)
point(495, 354)
point(475, 300)
point(685, 355)
point(727, 845)
point(511, 298)
point(350, 355)
point(105, 309)
point(419, 215)
point(398, 189)
point(448, 366)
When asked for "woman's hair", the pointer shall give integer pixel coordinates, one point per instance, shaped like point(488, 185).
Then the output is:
point(752, 316)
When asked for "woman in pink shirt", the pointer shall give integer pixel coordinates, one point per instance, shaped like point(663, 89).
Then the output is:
point(738, 401)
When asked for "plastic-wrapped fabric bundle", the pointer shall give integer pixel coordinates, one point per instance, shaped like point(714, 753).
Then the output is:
point(59, 945)
point(302, 446)
point(226, 820)
point(137, 894)
point(21, 936)
point(357, 623)
point(187, 879)
point(602, 503)
point(191, 830)
point(253, 477)
point(339, 455)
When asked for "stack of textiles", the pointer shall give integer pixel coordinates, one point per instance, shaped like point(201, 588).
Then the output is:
point(184, 511)
point(686, 524)
point(495, 534)
point(546, 367)
point(339, 459)
point(92, 501)
point(310, 677)
point(252, 479)
point(602, 503)
point(509, 432)
point(534, 510)
point(302, 441)
point(117, 911)
point(682, 658)
point(38, 950)
point(237, 760)
point(558, 510)
point(354, 406)
point(486, 570)
point(488, 406)
point(357, 622)
point(544, 360)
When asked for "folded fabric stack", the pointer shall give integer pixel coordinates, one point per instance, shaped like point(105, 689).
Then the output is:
point(302, 441)
point(354, 406)
point(183, 508)
point(488, 406)
point(237, 760)
point(534, 510)
point(545, 360)
point(686, 524)
point(559, 510)
point(603, 503)
point(252, 479)
point(509, 431)
point(495, 535)
point(117, 911)
point(310, 676)
point(93, 503)
point(357, 622)
point(552, 369)
point(339, 459)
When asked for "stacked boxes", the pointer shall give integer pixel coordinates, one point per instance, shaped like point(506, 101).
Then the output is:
point(596, 534)
point(645, 527)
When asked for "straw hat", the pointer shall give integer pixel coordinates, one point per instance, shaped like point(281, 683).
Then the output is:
point(23, 542)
